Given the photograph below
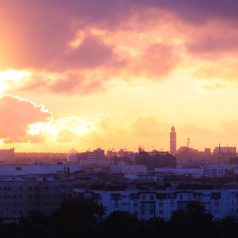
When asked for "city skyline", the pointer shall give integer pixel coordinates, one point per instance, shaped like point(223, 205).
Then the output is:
point(117, 74)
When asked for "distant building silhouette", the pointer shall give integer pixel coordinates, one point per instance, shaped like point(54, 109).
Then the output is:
point(7, 154)
point(172, 141)
point(191, 157)
point(155, 159)
point(223, 153)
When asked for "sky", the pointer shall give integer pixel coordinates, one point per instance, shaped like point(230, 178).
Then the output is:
point(118, 74)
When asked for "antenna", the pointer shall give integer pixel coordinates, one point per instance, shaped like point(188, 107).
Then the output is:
point(141, 149)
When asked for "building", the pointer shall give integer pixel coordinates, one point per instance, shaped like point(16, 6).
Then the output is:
point(191, 172)
point(95, 154)
point(173, 146)
point(111, 154)
point(187, 156)
point(37, 169)
point(7, 154)
point(96, 162)
point(21, 195)
point(155, 159)
point(146, 204)
point(222, 154)
point(129, 171)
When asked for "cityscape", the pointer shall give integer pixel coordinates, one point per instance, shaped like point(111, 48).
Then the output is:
point(113, 178)
point(118, 118)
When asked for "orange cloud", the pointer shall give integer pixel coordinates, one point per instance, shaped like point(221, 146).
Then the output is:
point(17, 114)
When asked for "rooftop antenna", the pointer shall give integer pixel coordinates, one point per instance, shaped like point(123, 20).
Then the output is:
point(141, 149)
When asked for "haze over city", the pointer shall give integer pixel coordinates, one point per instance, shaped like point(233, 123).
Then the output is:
point(118, 118)
point(117, 74)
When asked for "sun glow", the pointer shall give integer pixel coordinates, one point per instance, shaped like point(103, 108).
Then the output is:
point(11, 78)
point(76, 127)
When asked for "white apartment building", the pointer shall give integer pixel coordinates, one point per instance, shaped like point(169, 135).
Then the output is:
point(147, 204)
point(19, 195)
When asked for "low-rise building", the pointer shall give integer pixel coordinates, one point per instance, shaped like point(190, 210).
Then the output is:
point(220, 203)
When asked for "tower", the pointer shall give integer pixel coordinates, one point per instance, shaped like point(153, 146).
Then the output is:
point(172, 140)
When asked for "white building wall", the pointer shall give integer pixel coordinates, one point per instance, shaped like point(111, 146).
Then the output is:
point(148, 204)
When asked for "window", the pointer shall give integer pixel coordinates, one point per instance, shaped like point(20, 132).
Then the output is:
point(135, 204)
point(172, 204)
point(216, 211)
point(151, 211)
point(142, 211)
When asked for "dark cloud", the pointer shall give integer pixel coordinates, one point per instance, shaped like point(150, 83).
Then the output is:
point(74, 84)
point(157, 61)
point(35, 34)
point(214, 46)
point(67, 84)
point(38, 31)
point(91, 53)
point(197, 11)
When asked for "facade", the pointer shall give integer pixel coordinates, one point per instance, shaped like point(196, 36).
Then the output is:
point(155, 159)
point(19, 196)
point(222, 154)
point(173, 146)
point(96, 154)
point(96, 162)
point(37, 169)
point(148, 204)
point(7, 154)
point(193, 157)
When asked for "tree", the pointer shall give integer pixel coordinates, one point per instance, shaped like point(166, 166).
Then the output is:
point(193, 221)
point(76, 218)
point(119, 224)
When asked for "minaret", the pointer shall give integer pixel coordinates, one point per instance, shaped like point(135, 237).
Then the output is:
point(172, 140)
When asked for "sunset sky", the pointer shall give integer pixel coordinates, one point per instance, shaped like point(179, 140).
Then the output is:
point(118, 74)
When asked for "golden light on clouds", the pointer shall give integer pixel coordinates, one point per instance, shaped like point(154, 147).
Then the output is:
point(110, 77)
point(64, 130)
point(10, 79)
